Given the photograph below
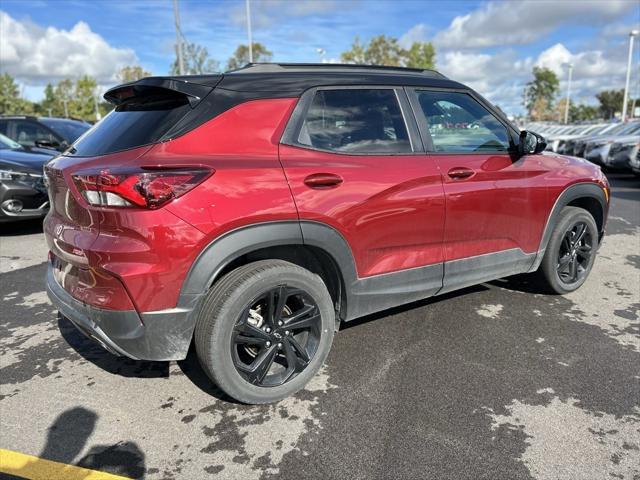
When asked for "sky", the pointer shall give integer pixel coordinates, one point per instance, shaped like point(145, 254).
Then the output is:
point(491, 46)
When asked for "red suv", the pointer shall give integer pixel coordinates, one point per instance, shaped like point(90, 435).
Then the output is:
point(255, 210)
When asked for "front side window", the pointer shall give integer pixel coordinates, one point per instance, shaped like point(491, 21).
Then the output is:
point(358, 121)
point(459, 124)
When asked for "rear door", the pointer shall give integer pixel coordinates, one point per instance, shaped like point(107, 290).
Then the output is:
point(355, 162)
point(495, 206)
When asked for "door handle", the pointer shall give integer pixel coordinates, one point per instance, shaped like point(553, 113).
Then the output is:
point(459, 173)
point(323, 180)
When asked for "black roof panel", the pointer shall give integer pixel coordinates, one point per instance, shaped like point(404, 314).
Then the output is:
point(292, 79)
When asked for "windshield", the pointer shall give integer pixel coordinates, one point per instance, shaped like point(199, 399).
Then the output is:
point(7, 144)
point(70, 130)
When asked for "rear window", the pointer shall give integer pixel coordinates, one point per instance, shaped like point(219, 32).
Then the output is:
point(141, 120)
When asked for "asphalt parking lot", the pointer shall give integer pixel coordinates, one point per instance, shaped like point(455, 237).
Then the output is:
point(492, 382)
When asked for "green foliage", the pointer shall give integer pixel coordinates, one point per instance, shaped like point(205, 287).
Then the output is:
point(421, 55)
point(610, 102)
point(241, 55)
point(382, 50)
point(582, 112)
point(131, 73)
point(541, 92)
point(10, 100)
point(83, 102)
point(196, 60)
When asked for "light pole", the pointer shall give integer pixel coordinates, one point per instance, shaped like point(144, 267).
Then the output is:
point(566, 107)
point(249, 31)
point(321, 52)
point(632, 35)
point(176, 17)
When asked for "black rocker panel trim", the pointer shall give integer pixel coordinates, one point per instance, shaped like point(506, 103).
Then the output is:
point(371, 294)
point(466, 272)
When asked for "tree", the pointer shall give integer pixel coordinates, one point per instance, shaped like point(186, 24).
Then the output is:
point(196, 60)
point(541, 92)
point(582, 112)
point(63, 94)
point(610, 102)
point(131, 73)
point(10, 100)
point(85, 98)
point(241, 55)
point(421, 55)
point(48, 104)
point(382, 50)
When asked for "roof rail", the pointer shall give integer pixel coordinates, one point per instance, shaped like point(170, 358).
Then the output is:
point(292, 67)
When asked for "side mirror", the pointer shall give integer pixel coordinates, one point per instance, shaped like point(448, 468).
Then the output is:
point(531, 143)
point(47, 144)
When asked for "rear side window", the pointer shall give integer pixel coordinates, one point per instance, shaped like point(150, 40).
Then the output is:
point(460, 124)
point(141, 120)
point(361, 121)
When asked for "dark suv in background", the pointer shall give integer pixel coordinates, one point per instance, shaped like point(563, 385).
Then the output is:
point(44, 132)
point(253, 211)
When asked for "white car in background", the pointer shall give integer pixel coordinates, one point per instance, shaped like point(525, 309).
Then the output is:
point(554, 140)
point(597, 150)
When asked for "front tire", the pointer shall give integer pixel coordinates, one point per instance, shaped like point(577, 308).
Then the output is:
point(571, 251)
point(264, 330)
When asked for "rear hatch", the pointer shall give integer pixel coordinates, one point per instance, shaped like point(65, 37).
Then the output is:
point(146, 112)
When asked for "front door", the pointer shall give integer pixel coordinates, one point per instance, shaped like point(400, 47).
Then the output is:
point(495, 209)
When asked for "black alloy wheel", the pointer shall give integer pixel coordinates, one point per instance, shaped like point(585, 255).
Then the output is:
point(276, 336)
point(570, 253)
point(264, 330)
point(574, 255)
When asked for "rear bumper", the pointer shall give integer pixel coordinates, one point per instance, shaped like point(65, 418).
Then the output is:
point(156, 336)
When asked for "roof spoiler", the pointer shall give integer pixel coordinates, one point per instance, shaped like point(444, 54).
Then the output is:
point(183, 85)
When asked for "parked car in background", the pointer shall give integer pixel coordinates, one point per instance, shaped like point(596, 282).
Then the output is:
point(43, 132)
point(575, 146)
point(634, 163)
point(253, 211)
point(622, 151)
point(554, 140)
point(597, 149)
point(22, 192)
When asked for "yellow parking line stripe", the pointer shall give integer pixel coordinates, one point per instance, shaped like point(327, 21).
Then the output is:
point(34, 468)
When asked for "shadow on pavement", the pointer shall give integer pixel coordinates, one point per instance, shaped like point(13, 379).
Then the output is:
point(192, 369)
point(67, 438)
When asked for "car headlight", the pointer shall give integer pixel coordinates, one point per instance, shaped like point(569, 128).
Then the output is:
point(18, 176)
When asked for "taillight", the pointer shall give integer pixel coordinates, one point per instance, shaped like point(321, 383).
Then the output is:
point(144, 187)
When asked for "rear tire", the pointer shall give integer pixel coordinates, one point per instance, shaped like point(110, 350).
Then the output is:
point(571, 251)
point(264, 330)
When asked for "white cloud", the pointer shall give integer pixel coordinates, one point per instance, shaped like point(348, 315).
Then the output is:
point(417, 33)
point(593, 70)
point(37, 55)
point(522, 22)
point(501, 76)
